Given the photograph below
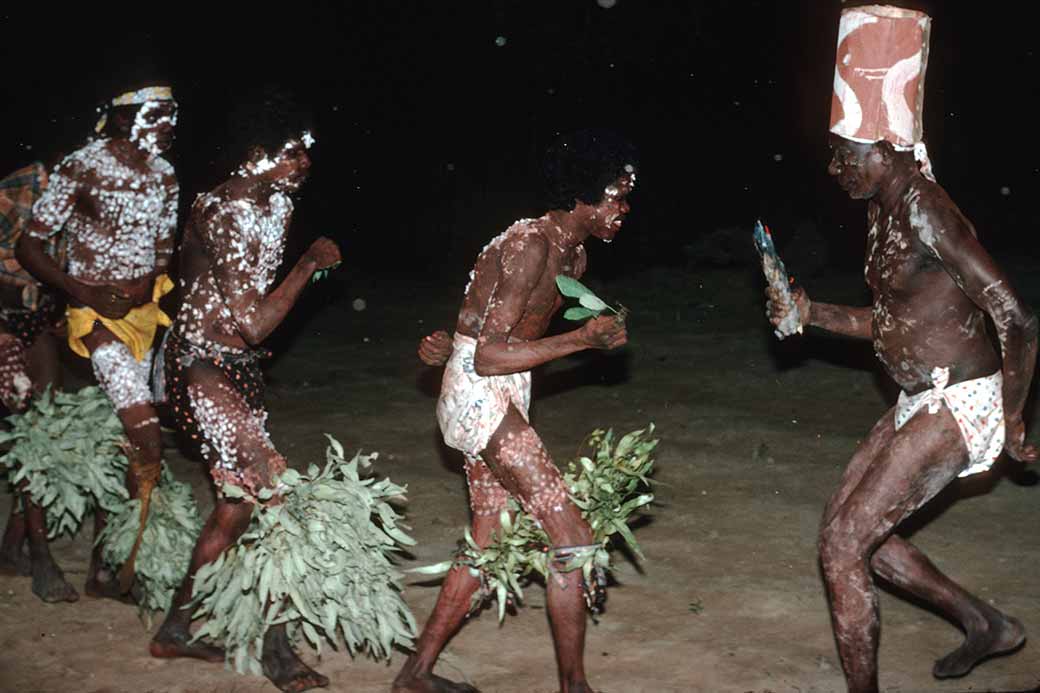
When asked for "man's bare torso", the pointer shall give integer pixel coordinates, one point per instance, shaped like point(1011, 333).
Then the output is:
point(231, 247)
point(118, 216)
point(497, 258)
point(921, 317)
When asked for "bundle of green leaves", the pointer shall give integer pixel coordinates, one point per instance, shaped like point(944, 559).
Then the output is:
point(322, 561)
point(610, 486)
point(67, 448)
point(170, 532)
point(322, 273)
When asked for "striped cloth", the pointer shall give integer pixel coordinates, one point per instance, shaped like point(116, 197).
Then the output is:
point(18, 192)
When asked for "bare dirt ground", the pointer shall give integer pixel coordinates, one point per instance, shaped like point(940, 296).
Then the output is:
point(754, 437)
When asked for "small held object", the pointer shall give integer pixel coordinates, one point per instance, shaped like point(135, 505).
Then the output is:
point(776, 276)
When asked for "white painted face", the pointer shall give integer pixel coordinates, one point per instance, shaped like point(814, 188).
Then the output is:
point(286, 170)
point(614, 205)
point(154, 125)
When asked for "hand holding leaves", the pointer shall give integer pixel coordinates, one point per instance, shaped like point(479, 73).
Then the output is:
point(326, 256)
point(322, 273)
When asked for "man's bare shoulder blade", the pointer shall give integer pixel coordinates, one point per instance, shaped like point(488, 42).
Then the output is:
point(524, 252)
point(525, 241)
point(163, 167)
point(933, 215)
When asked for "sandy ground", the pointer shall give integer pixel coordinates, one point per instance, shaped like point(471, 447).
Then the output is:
point(754, 437)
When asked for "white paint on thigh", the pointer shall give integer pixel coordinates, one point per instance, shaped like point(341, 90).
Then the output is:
point(124, 379)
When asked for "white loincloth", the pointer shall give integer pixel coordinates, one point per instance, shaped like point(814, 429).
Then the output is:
point(471, 406)
point(977, 407)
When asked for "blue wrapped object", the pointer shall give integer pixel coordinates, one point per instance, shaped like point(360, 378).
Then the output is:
point(776, 275)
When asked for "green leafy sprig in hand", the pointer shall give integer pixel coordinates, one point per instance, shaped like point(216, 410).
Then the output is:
point(591, 304)
point(322, 273)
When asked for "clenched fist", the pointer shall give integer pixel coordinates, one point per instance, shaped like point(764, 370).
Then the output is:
point(777, 310)
point(324, 252)
point(604, 332)
point(436, 349)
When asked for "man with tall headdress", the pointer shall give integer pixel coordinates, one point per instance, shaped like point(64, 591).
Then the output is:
point(933, 287)
point(116, 201)
point(28, 364)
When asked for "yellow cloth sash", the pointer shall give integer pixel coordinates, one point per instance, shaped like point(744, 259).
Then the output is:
point(136, 329)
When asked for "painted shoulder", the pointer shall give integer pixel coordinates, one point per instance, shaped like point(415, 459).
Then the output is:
point(87, 155)
point(212, 205)
point(931, 212)
point(523, 236)
point(163, 167)
point(281, 203)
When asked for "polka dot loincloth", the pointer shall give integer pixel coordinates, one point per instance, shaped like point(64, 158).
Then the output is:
point(976, 405)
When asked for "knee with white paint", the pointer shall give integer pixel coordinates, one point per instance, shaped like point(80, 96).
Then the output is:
point(840, 548)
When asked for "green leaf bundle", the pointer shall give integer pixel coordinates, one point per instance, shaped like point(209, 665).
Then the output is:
point(321, 561)
point(590, 306)
point(609, 487)
point(170, 533)
point(67, 448)
point(322, 273)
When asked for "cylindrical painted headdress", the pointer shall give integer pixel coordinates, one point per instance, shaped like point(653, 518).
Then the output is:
point(879, 76)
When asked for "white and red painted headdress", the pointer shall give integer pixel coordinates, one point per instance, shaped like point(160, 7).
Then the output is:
point(879, 78)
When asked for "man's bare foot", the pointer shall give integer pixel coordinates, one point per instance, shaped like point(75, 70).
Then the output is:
point(49, 584)
point(14, 561)
point(1001, 635)
point(428, 683)
point(172, 641)
point(284, 667)
point(104, 586)
point(581, 687)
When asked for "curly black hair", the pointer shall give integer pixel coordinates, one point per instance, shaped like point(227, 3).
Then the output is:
point(266, 118)
point(580, 165)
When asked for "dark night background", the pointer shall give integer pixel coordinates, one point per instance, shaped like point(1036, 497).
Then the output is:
point(431, 119)
point(430, 134)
